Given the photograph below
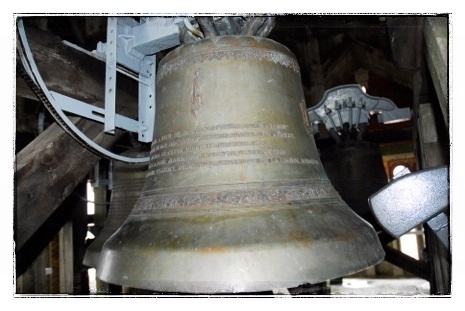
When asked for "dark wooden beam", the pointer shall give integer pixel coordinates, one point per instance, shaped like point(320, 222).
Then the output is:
point(405, 34)
point(339, 71)
point(376, 61)
point(50, 167)
point(47, 171)
point(416, 267)
point(437, 45)
point(70, 72)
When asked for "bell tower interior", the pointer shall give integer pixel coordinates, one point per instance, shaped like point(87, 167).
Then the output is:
point(192, 82)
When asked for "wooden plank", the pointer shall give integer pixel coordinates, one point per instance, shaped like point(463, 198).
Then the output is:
point(76, 74)
point(436, 39)
point(23, 90)
point(433, 155)
point(405, 37)
point(66, 258)
point(47, 171)
point(376, 61)
point(417, 267)
point(336, 71)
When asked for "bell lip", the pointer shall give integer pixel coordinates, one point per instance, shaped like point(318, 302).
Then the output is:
point(91, 258)
point(362, 252)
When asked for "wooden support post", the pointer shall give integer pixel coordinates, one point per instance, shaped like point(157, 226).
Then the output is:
point(431, 144)
point(100, 213)
point(66, 258)
point(432, 155)
point(436, 38)
point(36, 279)
point(47, 171)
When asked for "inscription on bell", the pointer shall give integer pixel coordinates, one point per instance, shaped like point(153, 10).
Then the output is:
point(227, 162)
point(192, 149)
point(240, 197)
point(269, 126)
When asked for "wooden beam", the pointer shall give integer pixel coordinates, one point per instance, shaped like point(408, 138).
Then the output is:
point(436, 39)
point(66, 258)
point(375, 61)
point(335, 72)
point(417, 267)
point(433, 155)
point(23, 90)
point(73, 73)
point(432, 152)
point(405, 37)
point(49, 168)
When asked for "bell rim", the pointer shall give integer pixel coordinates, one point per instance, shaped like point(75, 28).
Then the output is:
point(362, 251)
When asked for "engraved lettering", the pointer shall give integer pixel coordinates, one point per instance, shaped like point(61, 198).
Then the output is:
point(237, 197)
point(205, 165)
point(268, 126)
point(260, 54)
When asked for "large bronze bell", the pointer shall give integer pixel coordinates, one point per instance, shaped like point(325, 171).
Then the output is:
point(235, 198)
point(128, 181)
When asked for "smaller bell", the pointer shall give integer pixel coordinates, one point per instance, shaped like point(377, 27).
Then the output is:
point(355, 169)
point(128, 181)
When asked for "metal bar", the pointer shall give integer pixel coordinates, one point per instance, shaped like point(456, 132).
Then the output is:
point(338, 110)
point(88, 111)
point(147, 91)
point(58, 114)
point(359, 111)
point(110, 76)
point(351, 113)
point(330, 118)
point(417, 267)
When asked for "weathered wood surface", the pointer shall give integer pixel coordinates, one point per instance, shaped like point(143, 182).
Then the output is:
point(358, 56)
point(436, 39)
point(47, 171)
point(433, 155)
point(70, 72)
point(50, 167)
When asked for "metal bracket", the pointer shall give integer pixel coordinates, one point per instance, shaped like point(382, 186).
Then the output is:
point(350, 104)
point(133, 45)
point(110, 76)
point(92, 112)
point(130, 49)
point(147, 88)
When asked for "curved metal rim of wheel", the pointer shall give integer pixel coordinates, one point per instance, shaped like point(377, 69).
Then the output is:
point(62, 119)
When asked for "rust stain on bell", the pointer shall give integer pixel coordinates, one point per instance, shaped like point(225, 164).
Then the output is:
point(240, 185)
point(196, 96)
point(217, 249)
